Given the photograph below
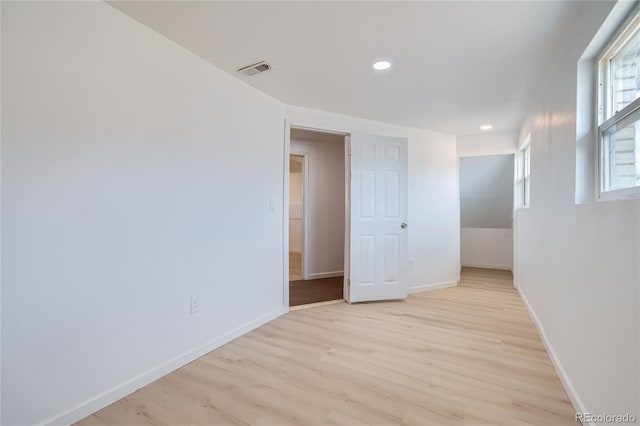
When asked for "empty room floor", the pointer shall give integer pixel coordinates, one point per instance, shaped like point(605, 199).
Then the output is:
point(463, 355)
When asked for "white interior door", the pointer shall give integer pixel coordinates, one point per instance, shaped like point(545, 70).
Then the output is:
point(378, 261)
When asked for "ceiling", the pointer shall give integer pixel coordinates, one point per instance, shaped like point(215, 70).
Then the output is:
point(456, 65)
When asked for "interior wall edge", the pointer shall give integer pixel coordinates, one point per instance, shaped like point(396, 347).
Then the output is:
point(486, 266)
point(569, 388)
point(120, 391)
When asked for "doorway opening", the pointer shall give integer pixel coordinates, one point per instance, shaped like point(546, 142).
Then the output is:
point(486, 211)
point(316, 216)
point(297, 175)
point(354, 208)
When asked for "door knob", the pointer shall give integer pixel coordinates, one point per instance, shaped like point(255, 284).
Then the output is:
point(403, 225)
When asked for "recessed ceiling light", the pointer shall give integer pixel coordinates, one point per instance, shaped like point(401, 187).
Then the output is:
point(486, 127)
point(381, 65)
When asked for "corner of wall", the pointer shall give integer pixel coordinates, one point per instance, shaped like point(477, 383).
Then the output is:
point(575, 399)
point(431, 287)
point(120, 391)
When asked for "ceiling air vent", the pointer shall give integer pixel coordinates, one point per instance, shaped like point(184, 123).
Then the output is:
point(254, 69)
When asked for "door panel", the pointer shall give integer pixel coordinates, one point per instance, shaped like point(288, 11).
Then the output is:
point(378, 258)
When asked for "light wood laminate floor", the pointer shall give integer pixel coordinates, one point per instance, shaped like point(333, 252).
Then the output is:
point(458, 356)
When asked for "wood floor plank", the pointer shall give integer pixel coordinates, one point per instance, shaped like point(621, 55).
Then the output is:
point(466, 355)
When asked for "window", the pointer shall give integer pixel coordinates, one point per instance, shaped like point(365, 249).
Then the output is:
point(619, 114)
point(523, 173)
point(526, 176)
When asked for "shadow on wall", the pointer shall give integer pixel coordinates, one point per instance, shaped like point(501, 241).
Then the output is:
point(486, 211)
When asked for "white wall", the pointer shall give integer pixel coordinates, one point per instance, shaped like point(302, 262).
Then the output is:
point(487, 192)
point(492, 143)
point(577, 266)
point(120, 200)
point(325, 215)
point(434, 211)
point(118, 206)
point(487, 247)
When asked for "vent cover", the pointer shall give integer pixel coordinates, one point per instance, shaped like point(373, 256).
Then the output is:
point(254, 69)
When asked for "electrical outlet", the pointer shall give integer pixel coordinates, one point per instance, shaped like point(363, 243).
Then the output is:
point(194, 305)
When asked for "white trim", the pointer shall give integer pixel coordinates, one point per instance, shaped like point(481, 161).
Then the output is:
point(525, 142)
point(571, 391)
point(319, 130)
point(628, 115)
point(127, 387)
point(526, 175)
point(621, 194)
point(285, 216)
point(317, 304)
point(317, 127)
point(287, 149)
point(346, 287)
point(475, 265)
point(429, 287)
point(305, 215)
point(608, 119)
point(329, 274)
point(621, 37)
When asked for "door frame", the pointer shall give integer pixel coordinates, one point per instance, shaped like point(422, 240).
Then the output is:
point(288, 125)
point(305, 208)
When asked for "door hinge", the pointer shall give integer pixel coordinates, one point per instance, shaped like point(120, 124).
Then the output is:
point(348, 281)
point(349, 151)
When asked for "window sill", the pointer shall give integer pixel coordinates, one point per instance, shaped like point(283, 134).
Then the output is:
point(620, 194)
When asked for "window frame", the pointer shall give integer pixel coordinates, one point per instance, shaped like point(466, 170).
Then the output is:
point(520, 184)
point(608, 119)
point(526, 175)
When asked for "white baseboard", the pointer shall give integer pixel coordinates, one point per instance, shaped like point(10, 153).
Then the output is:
point(429, 287)
point(123, 389)
point(320, 275)
point(474, 265)
point(575, 399)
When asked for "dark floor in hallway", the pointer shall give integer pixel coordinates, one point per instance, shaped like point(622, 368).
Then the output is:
point(304, 292)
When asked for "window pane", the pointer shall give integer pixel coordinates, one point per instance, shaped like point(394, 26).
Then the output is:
point(621, 155)
point(527, 173)
point(625, 75)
